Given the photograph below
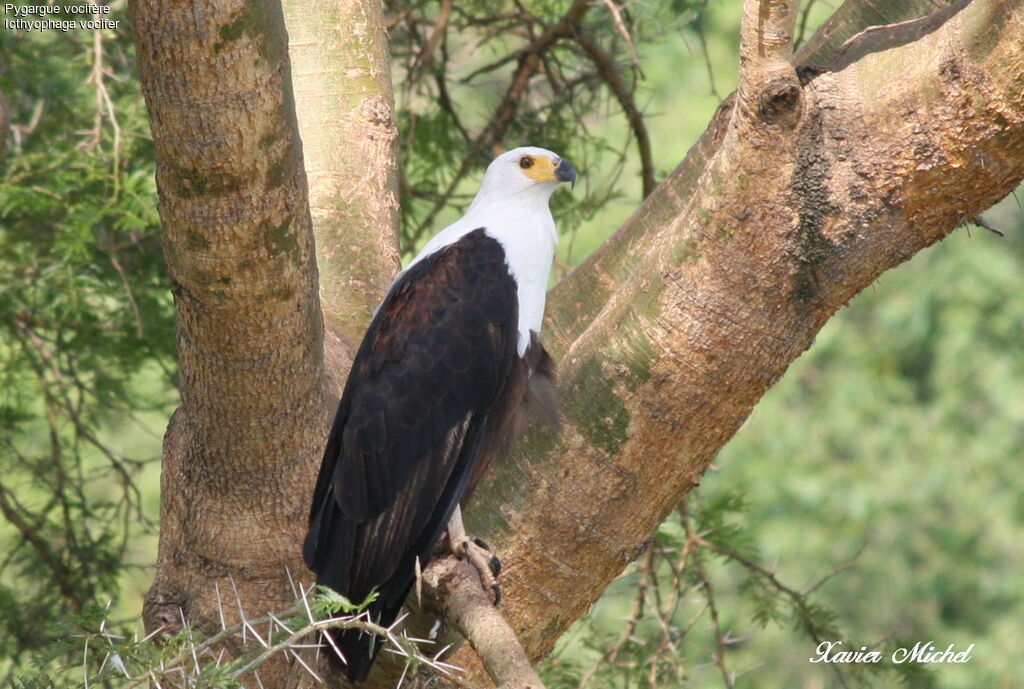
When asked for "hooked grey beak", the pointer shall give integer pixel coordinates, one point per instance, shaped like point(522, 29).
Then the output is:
point(566, 172)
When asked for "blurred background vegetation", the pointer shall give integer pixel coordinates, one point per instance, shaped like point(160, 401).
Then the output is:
point(873, 497)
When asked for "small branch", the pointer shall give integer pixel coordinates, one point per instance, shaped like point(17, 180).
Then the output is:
point(609, 73)
point(455, 585)
point(104, 105)
point(798, 599)
point(288, 633)
point(766, 55)
point(444, 101)
point(636, 614)
point(529, 62)
point(427, 56)
point(801, 32)
point(983, 223)
point(128, 292)
point(709, 595)
point(37, 540)
point(766, 34)
point(620, 27)
point(23, 131)
point(853, 17)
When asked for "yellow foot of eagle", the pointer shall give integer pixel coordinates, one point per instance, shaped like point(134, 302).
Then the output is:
point(477, 552)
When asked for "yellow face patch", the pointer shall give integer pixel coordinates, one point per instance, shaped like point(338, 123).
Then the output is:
point(538, 168)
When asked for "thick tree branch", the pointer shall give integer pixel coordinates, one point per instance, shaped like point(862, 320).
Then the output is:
point(854, 16)
point(671, 332)
point(666, 337)
point(875, 39)
point(342, 80)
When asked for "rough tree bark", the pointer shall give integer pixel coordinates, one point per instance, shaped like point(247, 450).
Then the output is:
point(239, 248)
point(796, 198)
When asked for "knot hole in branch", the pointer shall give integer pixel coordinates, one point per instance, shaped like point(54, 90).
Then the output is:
point(162, 613)
point(779, 102)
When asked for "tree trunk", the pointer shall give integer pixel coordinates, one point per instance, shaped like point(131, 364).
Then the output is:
point(805, 188)
point(240, 452)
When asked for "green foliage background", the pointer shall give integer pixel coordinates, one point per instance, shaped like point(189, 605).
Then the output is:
point(895, 441)
point(86, 337)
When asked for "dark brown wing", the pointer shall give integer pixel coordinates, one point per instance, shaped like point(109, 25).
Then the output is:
point(528, 396)
point(410, 425)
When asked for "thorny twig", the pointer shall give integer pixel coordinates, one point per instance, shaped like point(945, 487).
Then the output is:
point(709, 593)
point(985, 224)
point(287, 633)
point(104, 105)
point(799, 599)
point(620, 27)
point(667, 573)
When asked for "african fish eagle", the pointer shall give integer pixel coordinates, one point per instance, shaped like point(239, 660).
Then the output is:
point(451, 354)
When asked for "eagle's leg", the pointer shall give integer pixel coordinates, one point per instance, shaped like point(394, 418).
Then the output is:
point(477, 552)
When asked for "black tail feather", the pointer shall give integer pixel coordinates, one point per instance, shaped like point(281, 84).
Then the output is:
point(359, 649)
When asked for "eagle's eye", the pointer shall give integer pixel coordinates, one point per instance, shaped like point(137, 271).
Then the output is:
point(526, 162)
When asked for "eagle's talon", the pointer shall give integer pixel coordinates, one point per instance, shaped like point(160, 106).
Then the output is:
point(485, 563)
point(477, 552)
point(494, 563)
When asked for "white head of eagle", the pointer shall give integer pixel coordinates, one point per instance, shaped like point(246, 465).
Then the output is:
point(512, 208)
point(450, 356)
